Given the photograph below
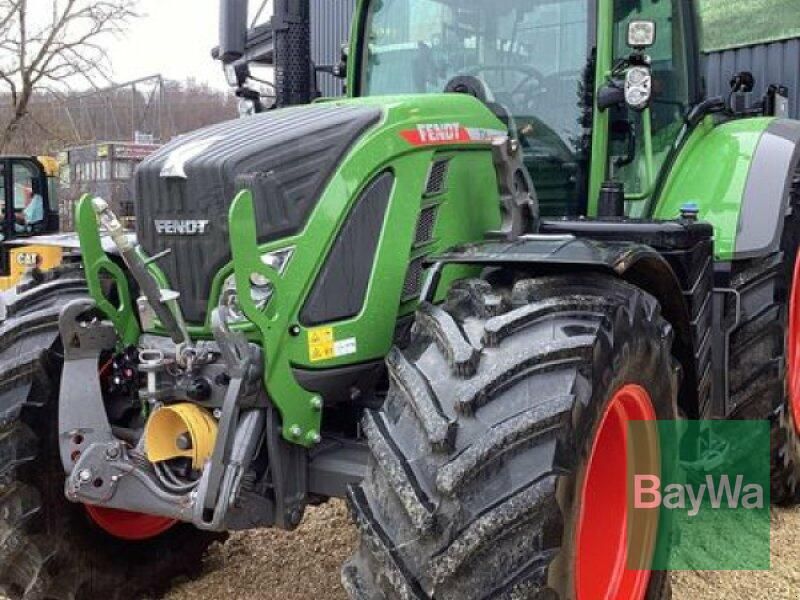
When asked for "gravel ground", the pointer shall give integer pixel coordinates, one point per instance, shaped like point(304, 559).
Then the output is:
point(304, 565)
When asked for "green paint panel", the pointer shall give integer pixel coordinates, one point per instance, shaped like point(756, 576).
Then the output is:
point(96, 262)
point(711, 171)
point(466, 210)
point(300, 409)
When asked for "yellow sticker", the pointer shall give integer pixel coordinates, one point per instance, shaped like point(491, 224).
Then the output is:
point(320, 344)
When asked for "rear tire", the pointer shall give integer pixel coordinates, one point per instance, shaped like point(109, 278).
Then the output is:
point(49, 548)
point(480, 452)
point(759, 367)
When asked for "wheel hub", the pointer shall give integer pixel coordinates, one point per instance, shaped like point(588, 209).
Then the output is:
point(793, 347)
point(601, 559)
point(128, 525)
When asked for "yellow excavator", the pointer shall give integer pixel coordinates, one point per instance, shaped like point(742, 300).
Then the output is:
point(29, 239)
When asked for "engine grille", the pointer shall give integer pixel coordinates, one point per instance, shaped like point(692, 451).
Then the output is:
point(437, 178)
point(425, 225)
point(413, 283)
point(285, 157)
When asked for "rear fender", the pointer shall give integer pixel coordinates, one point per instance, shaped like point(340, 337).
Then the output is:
point(739, 175)
point(766, 195)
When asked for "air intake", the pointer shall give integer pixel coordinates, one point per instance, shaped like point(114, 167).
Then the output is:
point(437, 178)
point(425, 225)
point(413, 283)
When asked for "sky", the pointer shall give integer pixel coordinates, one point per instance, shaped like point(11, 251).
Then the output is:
point(173, 38)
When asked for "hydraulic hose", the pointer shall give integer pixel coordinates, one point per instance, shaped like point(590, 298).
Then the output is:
point(138, 268)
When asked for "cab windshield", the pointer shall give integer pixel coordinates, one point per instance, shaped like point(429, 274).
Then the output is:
point(530, 54)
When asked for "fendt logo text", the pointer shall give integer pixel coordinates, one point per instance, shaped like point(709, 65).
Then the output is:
point(181, 226)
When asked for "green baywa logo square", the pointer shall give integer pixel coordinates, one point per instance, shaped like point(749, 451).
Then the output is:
point(698, 495)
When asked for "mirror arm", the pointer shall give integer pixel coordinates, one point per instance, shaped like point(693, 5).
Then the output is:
point(610, 95)
point(703, 109)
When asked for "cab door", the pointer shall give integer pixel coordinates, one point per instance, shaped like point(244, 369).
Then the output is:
point(676, 87)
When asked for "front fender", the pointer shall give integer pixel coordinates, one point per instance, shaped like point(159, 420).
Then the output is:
point(677, 274)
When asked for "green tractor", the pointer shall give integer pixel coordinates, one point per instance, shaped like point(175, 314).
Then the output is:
point(443, 298)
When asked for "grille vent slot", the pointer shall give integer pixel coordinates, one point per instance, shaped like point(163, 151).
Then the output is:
point(425, 225)
point(437, 178)
point(413, 283)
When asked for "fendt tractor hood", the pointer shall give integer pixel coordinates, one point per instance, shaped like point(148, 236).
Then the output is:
point(184, 190)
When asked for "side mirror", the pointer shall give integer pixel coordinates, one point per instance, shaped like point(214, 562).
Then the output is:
point(232, 29)
point(338, 70)
point(344, 55)
point(743, 83)
point(641, 34)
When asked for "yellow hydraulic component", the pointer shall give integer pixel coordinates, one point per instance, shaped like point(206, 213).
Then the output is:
point(23, 259)
point(180, 430)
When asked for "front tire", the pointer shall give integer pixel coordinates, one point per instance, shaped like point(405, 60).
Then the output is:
point(481, 482)
point(49, 547)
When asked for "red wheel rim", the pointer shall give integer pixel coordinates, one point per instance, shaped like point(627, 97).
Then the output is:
point(128, 525)
point(601, 559)
point(793, 347)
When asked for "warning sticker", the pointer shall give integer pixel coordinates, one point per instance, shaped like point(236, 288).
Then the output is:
point(345, 347)
point(323, 346)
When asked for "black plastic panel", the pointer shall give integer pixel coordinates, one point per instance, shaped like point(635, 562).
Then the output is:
point(689, 250)
point(351, 384)
point(673, 260)
point(340, 289)
point(285, 157)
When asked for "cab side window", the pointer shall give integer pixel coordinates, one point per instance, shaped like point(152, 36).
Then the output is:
point(28, 198)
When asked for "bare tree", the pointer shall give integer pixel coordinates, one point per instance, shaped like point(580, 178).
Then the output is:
point(50, 45)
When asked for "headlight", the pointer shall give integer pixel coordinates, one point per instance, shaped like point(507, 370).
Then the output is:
point(246, 107)
point(641, 34)
point(231, 76)
point(261, 289)
point(638, 87)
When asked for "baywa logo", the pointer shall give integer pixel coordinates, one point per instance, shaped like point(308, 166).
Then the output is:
point(698, 495)
point(718, 491)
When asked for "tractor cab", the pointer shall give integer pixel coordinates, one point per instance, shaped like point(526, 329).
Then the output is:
point(541, 65)
point(28, 208)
